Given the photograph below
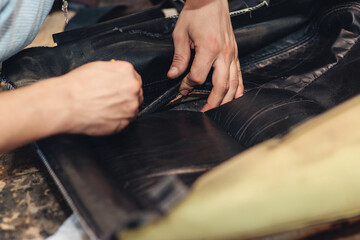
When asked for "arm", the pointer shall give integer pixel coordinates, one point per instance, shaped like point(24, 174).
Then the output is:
point(204, 25)
point(96, 99)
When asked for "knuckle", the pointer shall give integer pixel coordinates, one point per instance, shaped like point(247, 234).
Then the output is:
point(133, 94)
point(133, 86)
point(229, 51)
point(224, 86)
point(137, 88)
point(213, 46)
point(178, 58)
point(195, 78)
point(213, 51)
point(234, 82)
point(133, 107)
point(121, 125)
point(122, 66)
point(127, 65)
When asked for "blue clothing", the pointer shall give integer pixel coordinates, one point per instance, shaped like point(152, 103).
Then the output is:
point(20, 21)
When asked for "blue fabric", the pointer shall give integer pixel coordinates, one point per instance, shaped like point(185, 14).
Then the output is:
point(20, 21)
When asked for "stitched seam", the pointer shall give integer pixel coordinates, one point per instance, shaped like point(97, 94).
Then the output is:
point(241, 11)
point(250, 9)
point(303, 42)
point(306, 39)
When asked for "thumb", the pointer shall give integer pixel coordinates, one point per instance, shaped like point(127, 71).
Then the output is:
point(181, 56)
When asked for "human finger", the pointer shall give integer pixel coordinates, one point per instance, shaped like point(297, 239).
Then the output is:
point(199, 70)
point(220, 85)
point(240, 88)
point(181, 55)
point(233, 83)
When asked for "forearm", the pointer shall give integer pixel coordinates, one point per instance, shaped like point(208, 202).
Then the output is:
point(97, 98)
point(31, 113)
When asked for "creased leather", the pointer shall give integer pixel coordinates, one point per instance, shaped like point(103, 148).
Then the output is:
point(273, 107)
point(263, 113)
point(152, 39)
point(85, 32)
point(139, 174)
point(299, 64)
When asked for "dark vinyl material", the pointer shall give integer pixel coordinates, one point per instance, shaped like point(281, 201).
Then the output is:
point(148, 46)
point(298, 58)
point(132, 175)
point(262, 114)
point(89, 31)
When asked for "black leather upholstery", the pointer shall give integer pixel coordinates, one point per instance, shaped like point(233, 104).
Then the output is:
point(299, 58)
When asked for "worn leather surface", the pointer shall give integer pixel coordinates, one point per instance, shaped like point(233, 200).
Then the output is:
point(298, 60)
point(263, 113)
point(89, 31)
point(148, 46)
point(130, 178)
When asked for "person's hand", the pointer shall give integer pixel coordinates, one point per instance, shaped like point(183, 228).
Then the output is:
point(206, 27)
point(96, 99)
point(103, 97)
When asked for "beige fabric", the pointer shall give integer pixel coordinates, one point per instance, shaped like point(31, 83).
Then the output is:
point(309, 177)
point(54, 23)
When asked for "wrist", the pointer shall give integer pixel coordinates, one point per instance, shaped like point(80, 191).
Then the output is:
point(55, 111)
point(34, 112)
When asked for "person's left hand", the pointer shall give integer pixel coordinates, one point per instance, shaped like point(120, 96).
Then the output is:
point(206, 27)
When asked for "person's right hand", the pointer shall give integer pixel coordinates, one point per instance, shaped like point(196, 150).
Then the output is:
point(103, 97)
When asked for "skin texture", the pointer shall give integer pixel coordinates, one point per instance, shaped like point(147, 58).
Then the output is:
point(205, 26)
point(103, 97)
point(98, 98)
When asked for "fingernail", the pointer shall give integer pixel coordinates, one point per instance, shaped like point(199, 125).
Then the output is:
point(184, 92)
point(173, 71)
